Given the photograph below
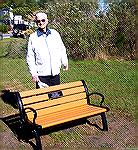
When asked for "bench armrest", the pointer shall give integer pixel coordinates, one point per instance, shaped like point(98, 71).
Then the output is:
point(34, 112)
point(96, 93)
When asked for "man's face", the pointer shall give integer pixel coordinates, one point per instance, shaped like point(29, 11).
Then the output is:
point(41, 22)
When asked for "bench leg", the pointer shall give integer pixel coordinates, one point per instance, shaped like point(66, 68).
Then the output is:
point(104, 122)
point(38, 140)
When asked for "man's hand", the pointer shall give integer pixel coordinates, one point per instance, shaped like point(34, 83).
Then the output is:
point(35, 78)
point(65, 68)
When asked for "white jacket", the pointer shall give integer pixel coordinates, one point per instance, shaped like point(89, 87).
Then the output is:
point(46, 54)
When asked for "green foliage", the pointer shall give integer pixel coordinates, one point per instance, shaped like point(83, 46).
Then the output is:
point(21, 7)
point(87, 34)
point(18, 3)
point(24, 11)
point(77, 27)
point(13, 48)
point(123, 39)
point(4, 28)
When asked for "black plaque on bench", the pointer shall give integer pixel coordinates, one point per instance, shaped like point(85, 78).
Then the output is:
point(55, 94)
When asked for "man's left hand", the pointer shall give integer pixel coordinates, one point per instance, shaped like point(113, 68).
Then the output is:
point(65, 68)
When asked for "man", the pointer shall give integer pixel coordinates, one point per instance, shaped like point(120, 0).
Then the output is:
point(46, 54)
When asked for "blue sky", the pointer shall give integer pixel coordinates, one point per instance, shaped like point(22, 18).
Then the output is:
point(102, 6)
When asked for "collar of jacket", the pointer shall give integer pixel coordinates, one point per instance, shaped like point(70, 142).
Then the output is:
point(39, 32)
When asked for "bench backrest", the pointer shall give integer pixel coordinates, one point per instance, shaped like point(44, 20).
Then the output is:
point(55, 98)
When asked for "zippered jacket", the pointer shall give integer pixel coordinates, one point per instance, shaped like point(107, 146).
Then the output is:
point(46, 53)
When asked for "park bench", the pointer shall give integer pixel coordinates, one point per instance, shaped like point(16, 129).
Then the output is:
point(46, 108)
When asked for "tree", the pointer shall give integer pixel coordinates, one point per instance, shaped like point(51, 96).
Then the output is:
point(123, 39)
point(21, 7)
point(85, 34)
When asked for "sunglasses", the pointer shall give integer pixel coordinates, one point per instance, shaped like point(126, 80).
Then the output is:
point(38, 21)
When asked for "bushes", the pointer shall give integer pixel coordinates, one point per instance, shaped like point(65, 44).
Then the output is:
point(123, 37)
point(76, 29)
point(13, 48)
point(4, 28)
point(89, 36)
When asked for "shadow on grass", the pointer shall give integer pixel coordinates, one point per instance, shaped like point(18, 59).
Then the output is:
point(23, 130)
point(26, 135)
point(14, 121)
point(8, 97)
point(15, 124)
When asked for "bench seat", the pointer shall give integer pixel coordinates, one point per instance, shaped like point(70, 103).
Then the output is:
point(66, 115)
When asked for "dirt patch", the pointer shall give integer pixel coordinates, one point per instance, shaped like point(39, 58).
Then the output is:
point(121, 136)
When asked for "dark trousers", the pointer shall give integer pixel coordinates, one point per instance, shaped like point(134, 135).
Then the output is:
point(49, 80)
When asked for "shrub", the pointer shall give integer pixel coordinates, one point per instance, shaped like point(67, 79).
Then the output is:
point(13, 48)
point(4, 28)
point(87, 36)
point(78, 29)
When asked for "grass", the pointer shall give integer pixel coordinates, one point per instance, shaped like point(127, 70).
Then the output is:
point(13, 47)
point(115, 79)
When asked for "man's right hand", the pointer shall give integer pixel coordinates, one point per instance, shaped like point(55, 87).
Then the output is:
point(35, 78)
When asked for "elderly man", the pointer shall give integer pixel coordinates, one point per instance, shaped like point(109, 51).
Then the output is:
point(46, 54)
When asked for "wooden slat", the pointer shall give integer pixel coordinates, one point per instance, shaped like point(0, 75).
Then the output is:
point(58, 108)
point(50, 89)
point(58, 101)
point(83, 115)
point(39, 98)
point(69, 115)
point(71, 111)
point(60, 114)
point(73, 90)
point(32, 99)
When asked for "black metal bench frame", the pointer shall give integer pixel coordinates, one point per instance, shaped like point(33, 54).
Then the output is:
point(36, 129)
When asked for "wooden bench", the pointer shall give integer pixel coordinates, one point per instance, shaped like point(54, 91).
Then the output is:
point(46, 108)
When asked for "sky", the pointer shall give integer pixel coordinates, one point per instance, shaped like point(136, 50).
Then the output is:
point(102, 6)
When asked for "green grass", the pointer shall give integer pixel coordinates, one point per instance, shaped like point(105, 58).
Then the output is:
point(13, 47)
point(14, 73)
point(115, 79)
point(4, 44)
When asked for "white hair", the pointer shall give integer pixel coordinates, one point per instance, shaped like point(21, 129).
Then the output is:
point(41, 15)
